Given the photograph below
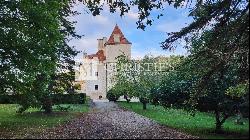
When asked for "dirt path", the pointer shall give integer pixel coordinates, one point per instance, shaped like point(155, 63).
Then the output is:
point(108, 121)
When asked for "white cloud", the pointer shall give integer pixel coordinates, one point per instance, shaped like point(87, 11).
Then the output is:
point(88, 45)
point(132, 15)
point(171, 26)
point(101, 20)
point(101, 26)
point(137, 54)
point(85, 44)
point(157, 51)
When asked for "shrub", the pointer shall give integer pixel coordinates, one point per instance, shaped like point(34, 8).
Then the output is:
point(155, 96)
point(56, 99)
point(63, 108)
point(9, 99)
point(77, 86)
point(112, 95)
point(69, 98)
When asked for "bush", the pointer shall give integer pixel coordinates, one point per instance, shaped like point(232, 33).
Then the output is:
point(69, 98)
point(127, 98)
point(56, 99)
point(63, 108)
point(77, 86)
point(155, 96)
point(9, 99)
point(112, 95)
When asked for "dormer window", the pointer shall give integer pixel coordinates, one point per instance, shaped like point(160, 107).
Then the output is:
point(116, 38)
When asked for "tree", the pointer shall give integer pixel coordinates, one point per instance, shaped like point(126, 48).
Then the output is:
point(226, 20)
point(142, 78)
point(77, 86)
point(144, 7)
point(219, 54)
point(222, 30)
point(218, 80)
point(221, 94)
point(174, 91)
point(116, 92)
point(34, 49)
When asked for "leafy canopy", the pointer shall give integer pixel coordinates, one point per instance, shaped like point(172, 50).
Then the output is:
point(34, 55)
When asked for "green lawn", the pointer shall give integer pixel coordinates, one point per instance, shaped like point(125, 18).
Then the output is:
point(13, 125)
point(201, 125)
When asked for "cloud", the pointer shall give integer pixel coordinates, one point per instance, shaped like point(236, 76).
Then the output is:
point(92, 27)
point(88, 45)
point(137, 53)
point(157, 52)
point(171, 26)
point(101, 20)
point(174, 19)
point(95, 27)
point(132, 15)
point(100, 26)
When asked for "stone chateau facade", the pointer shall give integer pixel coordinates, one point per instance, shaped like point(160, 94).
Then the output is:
point(94, 73)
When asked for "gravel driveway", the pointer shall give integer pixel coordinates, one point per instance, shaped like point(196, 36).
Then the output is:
point(107, 121)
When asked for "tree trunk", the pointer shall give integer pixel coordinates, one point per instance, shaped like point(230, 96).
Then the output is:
point(219, 122)
point(48, 110)
point(128, 100)
point(218, 128)
point(47, 106)
point(144, 105)
point(144, 102)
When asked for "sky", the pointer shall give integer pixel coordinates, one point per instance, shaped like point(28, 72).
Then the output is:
point(143, 42)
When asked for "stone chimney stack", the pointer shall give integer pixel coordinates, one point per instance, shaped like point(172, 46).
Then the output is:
point(84, 54)
point(101, 43)
point(105, 40)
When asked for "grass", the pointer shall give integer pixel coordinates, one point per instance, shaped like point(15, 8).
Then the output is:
point(13, 125)
point(202, 124)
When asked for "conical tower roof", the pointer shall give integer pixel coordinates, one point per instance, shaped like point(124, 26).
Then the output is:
point(117, 31)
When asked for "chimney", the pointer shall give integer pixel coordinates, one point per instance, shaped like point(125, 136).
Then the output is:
point(100, 44)
point(84, 54)
point(104, 40)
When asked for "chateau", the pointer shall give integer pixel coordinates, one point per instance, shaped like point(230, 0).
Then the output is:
point(94, 73)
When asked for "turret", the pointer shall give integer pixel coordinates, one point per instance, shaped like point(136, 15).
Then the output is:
point(116, 45)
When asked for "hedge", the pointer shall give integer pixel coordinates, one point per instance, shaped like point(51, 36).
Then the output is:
point(9, 99)
point(56, 98)
point(69, 98)
point(112, 95)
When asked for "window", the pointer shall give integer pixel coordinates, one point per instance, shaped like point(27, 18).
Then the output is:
point(96, 73)
point(116, 38)
point(96, 87)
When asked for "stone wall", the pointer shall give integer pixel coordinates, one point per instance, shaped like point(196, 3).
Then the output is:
point(113, 51)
